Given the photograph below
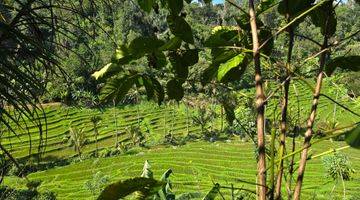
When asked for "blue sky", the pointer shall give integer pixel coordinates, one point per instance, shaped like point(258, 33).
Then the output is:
point(218, 1)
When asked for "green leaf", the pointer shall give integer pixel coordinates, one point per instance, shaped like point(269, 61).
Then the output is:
point(230, 64)
point(352, 137)
point(223, 37)
point(190, 57)
point(173, 44)
point(351, 63)
point(143, 45)
point(175, 6)
point(116, 88)
point(166, 192)
point(120, 57)
point(325, 18)
point(175, 90)
point(180, 28)
point(146, 5)
point(166, 175)
point(181, 60)
point(147, 173)
point(229, 111)
point(153, 88)
point(102, 71)
point(294, 7)
point(209, 73)
point(157, 59)
point(145, 186)
point(211, 195)
point(119, 54)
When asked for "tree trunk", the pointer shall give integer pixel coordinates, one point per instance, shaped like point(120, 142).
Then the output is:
point(285, 102)
point(260, 107)
point(310, 123)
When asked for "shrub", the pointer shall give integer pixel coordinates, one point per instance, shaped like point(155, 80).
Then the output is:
point(97, 183)
point(9, 193)
point(338, 166)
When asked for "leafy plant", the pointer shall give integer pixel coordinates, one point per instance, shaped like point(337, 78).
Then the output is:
point(146, 187)
point(136, 136)
point(338, 166)
point(77, 138)
point(97, 183)
point(232, 50)
point(202, 118)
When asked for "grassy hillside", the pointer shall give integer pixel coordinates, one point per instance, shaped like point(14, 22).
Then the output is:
point(195, 166)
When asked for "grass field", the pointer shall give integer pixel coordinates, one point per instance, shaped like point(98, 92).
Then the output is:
point(195, 164)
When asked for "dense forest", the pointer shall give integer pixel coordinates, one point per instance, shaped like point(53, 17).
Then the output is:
point(234, 99)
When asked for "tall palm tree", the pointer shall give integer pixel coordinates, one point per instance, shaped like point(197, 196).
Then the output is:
point(29, 54)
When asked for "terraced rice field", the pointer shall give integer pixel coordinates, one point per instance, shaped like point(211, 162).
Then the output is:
point(159, 119)
point(196, 165)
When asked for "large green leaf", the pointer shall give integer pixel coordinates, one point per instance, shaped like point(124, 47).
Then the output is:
point(103, 71)
point(145, 186)
point(157, 59)
point(146, 5)
point(229, 108)
point(173, 44)
point(223, 37)
point(143, 45)
point(120, 57)
point(166, 192)
point(325, 18)
point(175, 90)
point(116, 88)
point(230, 64)
point(211, 195)
point(180, 28)
point(294, 7)
point(351, 63)
point(352, 137)
point(181, 60)
point(153, 88)
point(175, 6)
point(209, 73)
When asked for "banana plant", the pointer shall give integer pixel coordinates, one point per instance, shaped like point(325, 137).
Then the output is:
point(146, 187)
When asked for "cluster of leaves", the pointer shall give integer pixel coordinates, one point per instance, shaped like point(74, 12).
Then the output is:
point(146, 187)
point(97, 183)
point(7, 192)
point(338, 166)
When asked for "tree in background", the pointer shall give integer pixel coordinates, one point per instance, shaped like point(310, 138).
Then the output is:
point(251, 43)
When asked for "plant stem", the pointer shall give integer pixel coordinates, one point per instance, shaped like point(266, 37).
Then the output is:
point(272, 162)
point(285, 102)
point(310, 123)
point(291, 165)
point(260, 107)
